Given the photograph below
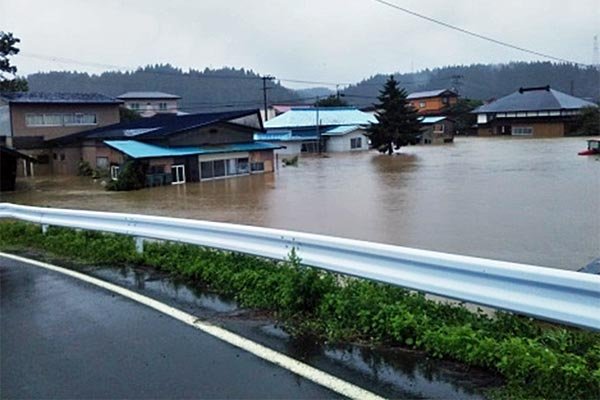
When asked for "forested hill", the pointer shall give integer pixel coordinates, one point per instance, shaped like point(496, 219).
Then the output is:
point(484, 82)
point(238, 88)
point(200, 90)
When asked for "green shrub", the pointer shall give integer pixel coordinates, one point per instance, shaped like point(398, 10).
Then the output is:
point(132, 176)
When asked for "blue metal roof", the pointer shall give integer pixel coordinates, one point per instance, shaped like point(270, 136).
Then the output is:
point(328, 116)
point(341, 130)
point(534, 99)
point(135, 149)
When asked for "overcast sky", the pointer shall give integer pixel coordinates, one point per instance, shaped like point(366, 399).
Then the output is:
point(329, 40)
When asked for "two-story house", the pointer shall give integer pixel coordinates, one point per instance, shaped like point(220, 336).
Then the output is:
point(29, 119)
point(432, 102)
point(148, 104)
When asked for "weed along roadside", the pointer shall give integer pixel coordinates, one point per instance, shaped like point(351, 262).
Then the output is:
point(536, 359)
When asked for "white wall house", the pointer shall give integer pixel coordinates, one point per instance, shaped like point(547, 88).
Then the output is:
point(148, 104)
point(346, 138)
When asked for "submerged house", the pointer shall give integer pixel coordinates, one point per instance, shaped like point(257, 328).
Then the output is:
point(28, 120)
point(175, 149)
point(533, 111)
point(437, 130)
point(8, 166)
point(432, 101)
point(310, 130)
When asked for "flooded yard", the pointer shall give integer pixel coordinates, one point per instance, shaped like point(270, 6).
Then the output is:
point(525, 200)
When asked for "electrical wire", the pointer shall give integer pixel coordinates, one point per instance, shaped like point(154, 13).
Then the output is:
point(477, 35)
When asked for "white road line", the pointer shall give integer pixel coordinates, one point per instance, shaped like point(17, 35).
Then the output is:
point(306, 371)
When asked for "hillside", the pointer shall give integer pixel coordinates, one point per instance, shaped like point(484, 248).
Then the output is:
point(205, 90)
point(229, 88)
point(484, 82)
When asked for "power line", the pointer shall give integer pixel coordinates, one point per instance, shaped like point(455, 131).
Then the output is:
point(477, 35)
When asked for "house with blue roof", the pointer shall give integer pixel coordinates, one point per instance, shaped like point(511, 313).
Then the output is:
point(310, 130)
point(534, 111)
point(174, 149)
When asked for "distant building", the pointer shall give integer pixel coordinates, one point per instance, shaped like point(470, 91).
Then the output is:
point(306, 130)
point(174, 149)
point(8, 166)
point(148, 104)
point(432, 101)
point(29, 119)
point(533, 111)
point(437, 130)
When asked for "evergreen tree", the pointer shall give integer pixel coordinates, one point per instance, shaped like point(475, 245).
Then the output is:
point(398, 122)
point(331, 101)
point(7, 49)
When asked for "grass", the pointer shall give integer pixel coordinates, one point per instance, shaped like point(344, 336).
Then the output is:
point(536, 359)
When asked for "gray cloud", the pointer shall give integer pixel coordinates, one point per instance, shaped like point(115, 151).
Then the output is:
point(331, 40)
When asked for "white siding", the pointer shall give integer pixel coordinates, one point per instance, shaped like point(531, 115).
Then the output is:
point(342, 143)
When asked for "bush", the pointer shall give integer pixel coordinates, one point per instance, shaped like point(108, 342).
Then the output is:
point(132, 176)
point(84, 168)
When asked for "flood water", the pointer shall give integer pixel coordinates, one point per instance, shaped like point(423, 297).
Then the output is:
point(524, 200)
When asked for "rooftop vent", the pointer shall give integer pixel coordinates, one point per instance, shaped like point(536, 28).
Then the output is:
point(532, 89)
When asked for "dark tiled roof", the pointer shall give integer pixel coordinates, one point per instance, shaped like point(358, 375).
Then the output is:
point(148, 95)
point(430, 93)
point(534, 99)
point(58, 98)
point(14, 153)
point(156, 127)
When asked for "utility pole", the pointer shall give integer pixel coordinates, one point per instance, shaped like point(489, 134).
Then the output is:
point(572, 87)
point(457, 82)
point(317, 126)
point(337, 92)
point(596, 54)
point(265, 88)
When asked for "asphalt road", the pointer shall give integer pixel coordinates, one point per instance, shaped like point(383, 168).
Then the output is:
point(63, 338)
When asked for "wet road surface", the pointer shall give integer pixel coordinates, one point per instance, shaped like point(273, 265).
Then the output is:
point(391, 373)
point(62, 338)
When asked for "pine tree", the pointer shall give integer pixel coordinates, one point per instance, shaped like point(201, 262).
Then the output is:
point(7, 49)
point(398, 122)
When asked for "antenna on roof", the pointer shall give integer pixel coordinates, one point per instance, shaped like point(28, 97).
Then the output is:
point(596, 54)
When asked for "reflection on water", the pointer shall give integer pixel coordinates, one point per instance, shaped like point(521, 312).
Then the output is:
point(394, 373)
point(526, 200)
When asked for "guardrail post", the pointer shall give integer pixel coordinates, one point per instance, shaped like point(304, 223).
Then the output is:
point(139, 245)
point(44, 228)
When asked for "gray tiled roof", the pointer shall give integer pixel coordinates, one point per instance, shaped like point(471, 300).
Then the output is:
point(429, 93)
point(148, 95)
point(57, 97)
point(534, 99)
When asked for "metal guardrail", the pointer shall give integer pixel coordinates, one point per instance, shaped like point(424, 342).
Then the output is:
point(557, 295)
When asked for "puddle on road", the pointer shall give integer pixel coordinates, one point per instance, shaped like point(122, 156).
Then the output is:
point(393, 373)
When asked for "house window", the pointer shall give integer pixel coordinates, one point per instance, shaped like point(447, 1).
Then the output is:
point(422, 104)
point(66, 119)
point(102, 162)
point(444, 100)
point(522, 131)
point(439, 128)
point(114, 172)
point(178, 174)
point(79, 119)
point(242, 165)
point(162, 106)
point(134, 106)
point(62, 157)
point(258, 166)
point(356, 143)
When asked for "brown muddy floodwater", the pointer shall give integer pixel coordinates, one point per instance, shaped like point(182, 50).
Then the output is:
point(524, 200)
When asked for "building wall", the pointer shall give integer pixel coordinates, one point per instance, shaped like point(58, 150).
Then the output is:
point(106, 114)
point(343, 142)
point(291, 149)
point(542, 129)
point(432, 104)
point(151, 107)
point(432, 134)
